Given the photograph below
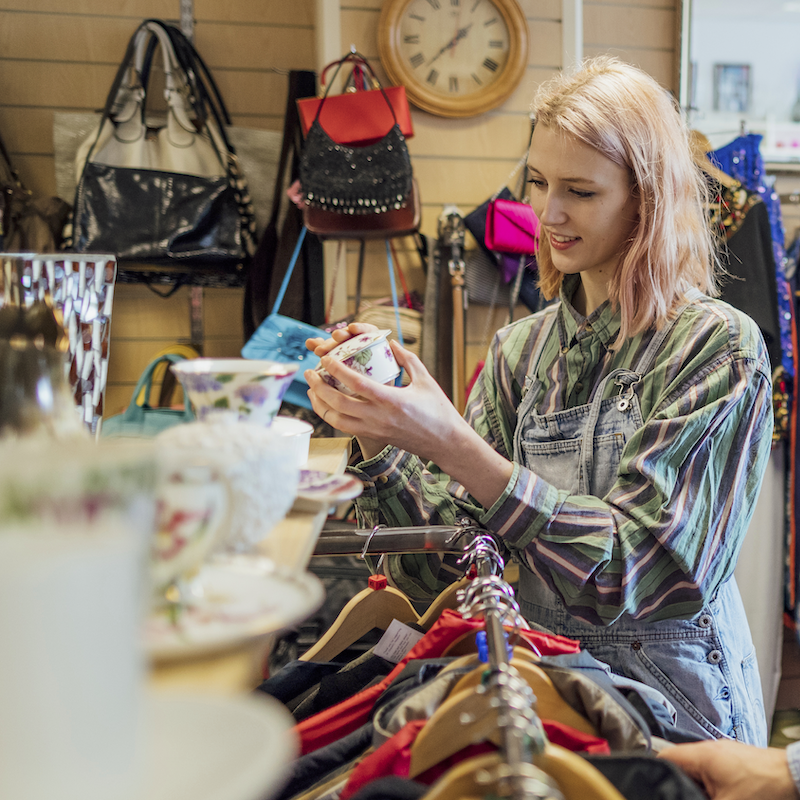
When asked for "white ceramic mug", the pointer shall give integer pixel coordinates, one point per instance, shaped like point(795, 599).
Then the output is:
point(296, 438)
point(71, 675)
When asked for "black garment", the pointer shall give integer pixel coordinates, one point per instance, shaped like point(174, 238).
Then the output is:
point(315, 767)
point(647, 778)
point(295, 678)
point(745, 250)
point(391, 788)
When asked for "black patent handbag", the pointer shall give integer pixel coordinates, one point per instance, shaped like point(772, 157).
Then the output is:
point(168, 194)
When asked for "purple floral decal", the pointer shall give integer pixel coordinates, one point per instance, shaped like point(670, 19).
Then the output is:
point(201, 383)
point(255, 394)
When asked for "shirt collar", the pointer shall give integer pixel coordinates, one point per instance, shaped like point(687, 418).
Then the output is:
point(603, 321)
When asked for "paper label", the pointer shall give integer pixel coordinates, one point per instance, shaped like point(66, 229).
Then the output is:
point(397, 641)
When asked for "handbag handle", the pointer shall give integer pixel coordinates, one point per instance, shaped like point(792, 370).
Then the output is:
point(361, 60)
point(289, 270)
point(180, 85)
point(145, 386)
point(204, 94)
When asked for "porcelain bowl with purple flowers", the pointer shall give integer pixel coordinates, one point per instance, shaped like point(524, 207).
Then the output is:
point(242, 389)
point(368, 354)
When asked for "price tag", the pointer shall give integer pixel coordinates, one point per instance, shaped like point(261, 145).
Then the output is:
point(397, 641)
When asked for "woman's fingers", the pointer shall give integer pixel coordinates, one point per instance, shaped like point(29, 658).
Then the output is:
point(321, 346)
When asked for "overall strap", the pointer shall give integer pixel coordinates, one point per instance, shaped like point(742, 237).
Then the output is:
point(646, 361)
point(626, 379)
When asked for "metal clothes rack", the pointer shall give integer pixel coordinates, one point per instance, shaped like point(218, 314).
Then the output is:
point(490, 597)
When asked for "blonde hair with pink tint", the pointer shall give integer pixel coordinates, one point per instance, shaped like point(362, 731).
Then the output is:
point(626, 115)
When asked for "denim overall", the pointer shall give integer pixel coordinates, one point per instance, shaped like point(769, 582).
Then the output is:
point(707, 665)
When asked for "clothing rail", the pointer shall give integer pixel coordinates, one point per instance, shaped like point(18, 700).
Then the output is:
point(490, 597)
point(377, 541)
point(521, 730)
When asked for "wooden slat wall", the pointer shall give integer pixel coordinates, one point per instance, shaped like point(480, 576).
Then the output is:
point(61, 55)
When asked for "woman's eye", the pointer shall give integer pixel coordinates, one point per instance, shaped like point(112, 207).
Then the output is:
point(582, 195)
point(538, 182)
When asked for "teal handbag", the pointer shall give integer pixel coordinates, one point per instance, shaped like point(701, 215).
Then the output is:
point(143, 421)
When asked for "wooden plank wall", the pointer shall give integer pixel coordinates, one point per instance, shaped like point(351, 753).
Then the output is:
point(61, 55)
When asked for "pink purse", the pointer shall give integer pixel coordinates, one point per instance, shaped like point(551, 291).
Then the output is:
point(511, 227)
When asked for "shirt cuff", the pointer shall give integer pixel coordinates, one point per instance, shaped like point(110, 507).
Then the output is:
point(523, 510)
point(793, 757)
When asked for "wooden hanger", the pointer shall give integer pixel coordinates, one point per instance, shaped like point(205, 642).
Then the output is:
point(373, 607)
point(577, 779)
point(467, 716)
point(549, 702)
point(701, 147)
point(447, 598)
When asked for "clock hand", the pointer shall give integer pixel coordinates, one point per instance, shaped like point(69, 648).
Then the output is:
point(462, 32)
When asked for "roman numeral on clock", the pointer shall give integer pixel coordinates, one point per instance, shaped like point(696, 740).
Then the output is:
point(434, 4)
point(453, 83)
point(433, 76)
point(413, 38)
point(417, 60)
point(490, 65)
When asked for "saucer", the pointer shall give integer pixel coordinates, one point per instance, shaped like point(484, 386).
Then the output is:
point(232, 600)
point(317, 489)
point(207, 747)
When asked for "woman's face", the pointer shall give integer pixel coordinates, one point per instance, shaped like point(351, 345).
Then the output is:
point(584, 203)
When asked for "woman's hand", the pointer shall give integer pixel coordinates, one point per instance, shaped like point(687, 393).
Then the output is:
point(322, 346)
point(418, 418)
point(730, 770)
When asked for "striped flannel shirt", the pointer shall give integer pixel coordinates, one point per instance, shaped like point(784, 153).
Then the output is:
point(669, 531)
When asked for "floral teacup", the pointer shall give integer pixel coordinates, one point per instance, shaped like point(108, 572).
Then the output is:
point(368, 354)
point(235, 388)
point(191, 507)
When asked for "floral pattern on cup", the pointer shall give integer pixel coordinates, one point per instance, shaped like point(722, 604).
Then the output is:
point(191, 507)
point(242, 389)
point(369, 354)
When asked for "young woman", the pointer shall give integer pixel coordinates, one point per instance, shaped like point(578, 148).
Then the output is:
point(615, 441)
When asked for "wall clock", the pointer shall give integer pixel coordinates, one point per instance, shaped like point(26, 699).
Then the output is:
point(456, 58)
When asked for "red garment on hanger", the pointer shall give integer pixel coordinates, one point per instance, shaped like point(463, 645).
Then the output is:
point(393, 757)
point(331, 724)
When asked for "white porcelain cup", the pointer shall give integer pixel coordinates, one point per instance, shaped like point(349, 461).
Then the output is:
point(262, 479)
point(296, 438)
point(192, 506)
point(71, 675)
point(369, 354)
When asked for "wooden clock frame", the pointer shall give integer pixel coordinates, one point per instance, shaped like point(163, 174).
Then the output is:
point(497, 92)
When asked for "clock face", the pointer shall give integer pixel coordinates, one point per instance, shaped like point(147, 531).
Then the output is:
point(455, 57)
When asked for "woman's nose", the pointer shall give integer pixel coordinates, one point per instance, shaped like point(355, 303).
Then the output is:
point(551, 211)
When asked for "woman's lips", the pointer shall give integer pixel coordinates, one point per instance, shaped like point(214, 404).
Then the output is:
point(563, 242)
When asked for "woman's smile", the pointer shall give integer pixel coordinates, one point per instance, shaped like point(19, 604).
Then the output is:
point(562, 242)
